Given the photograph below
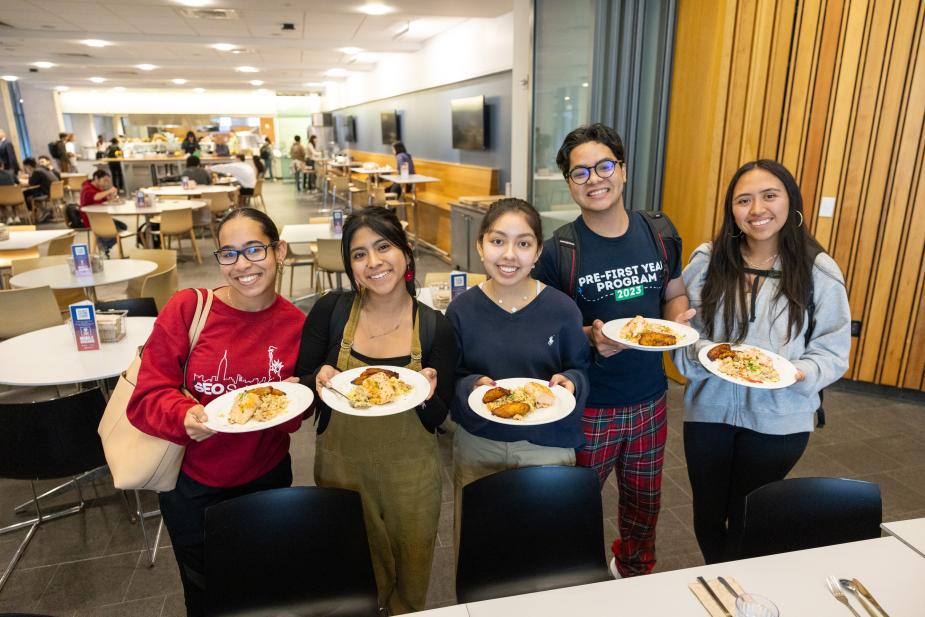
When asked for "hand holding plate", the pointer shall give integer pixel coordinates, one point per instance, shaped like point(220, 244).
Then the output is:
point(605, 346)
point(684, 317)
point(561, 380)
point(325, 374)
point(193, 423)
point(431, 375)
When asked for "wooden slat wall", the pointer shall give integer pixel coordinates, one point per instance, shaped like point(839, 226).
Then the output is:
point(835, 90)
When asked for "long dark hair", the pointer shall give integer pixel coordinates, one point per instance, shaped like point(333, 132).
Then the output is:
point(726, 276)
point(261, 218)
point(512, 204)
point(383, 222)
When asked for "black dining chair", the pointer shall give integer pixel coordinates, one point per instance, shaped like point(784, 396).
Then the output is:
point(801, 513)
point(530, 529)
point(45, 440)
point(290, 551)
point(136, 307)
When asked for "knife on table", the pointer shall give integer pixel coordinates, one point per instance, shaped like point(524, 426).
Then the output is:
point(725, 583)
point(715, 597)
point(870, 597)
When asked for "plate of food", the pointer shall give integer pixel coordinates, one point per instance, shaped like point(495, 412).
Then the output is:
point(522, 401)
point(650, 334)
point(258, 407)
point(748, 365)
point(370, 391)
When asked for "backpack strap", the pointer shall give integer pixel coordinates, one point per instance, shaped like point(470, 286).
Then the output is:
point(567, 258)
point(428, 326)
point(667, 243)
point(811, 326)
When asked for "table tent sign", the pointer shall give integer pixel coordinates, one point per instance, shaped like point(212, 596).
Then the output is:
point(81, 255)
point(83, 320)
point(457, 284)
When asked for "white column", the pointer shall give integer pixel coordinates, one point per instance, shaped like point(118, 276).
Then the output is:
point(522, 98)
point(43, 117)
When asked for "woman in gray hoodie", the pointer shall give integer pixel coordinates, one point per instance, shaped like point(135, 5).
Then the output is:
point(755, 284)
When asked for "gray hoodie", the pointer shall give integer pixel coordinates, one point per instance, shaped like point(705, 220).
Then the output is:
point(707, 398)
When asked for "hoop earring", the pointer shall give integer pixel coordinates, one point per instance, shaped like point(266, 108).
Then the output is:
point(800, 224)
point(739, 235)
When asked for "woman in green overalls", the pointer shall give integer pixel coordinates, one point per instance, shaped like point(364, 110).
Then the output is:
point(392, 461)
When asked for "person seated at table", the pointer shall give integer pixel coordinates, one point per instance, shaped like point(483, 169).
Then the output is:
point(40, 178)
point(96, 190)
point(6, 179)
point(195, 172)
point(242, 171)
point(392, 461)
point(254, 334)
point(401, 158)
point(753, 285)
point(543, 339)
point(44, 162)
point(190, 144)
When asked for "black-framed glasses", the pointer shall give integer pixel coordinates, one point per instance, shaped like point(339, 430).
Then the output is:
point(580, 174)
point(253, 252)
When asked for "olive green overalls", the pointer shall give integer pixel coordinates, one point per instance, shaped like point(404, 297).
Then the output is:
point(393, 463)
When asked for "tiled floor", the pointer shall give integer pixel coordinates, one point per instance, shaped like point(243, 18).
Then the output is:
point(93, 563)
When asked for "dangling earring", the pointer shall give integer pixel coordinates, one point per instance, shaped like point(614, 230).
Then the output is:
point(738, 235)
point(409, 275)
point(800, 224)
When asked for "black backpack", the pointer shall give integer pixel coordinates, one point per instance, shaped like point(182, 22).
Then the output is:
point(72, 214)
point(664, 235)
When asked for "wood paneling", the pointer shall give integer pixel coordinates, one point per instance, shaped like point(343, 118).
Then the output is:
point(835, 90)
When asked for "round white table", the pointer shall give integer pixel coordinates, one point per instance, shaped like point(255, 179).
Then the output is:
point(178, 191)
point(60, 277)
point(130, 208)
point(49, 357)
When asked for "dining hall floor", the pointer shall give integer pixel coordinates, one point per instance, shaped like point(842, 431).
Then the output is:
point(93, 563)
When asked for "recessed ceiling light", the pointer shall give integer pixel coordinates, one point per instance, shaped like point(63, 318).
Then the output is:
point(62, 88)
point(97, 80)
point(179, 81)
point(9, 77)
point(336, 72)
point(247, 69)
point(43, 64)
point(376, 8)
point(584, 84)
point(199, 90)
point(223, 46)
point(119, 88)
point(95, 43)
point(146, 67)
point(568, 98)
point(256, 82)
point(350, 50)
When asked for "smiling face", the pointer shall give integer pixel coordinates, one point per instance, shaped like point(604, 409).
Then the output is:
point(253, 283)
point(760, 206)
point(597, 194)
point(509, 249)
point(377, 265)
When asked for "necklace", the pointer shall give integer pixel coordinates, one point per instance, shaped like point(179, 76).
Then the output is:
point(758, 266)
point(500, 301)
point(389, 331)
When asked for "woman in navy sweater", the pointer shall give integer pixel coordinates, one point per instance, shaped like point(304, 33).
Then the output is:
point(514, 326)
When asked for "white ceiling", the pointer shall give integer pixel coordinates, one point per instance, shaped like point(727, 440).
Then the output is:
point(159, 32)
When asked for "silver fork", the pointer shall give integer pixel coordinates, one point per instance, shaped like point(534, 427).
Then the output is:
point(836, 590)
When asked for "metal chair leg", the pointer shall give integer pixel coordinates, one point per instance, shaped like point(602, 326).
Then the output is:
point(150, 550)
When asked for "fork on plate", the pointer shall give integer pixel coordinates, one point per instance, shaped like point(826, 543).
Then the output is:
point(835, 588)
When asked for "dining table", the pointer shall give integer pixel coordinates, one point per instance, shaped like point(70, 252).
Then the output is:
point(60, 276)
point(910, 532)
point(24, 245)
point(413, 180)
point(179, 191)
point(128, 207)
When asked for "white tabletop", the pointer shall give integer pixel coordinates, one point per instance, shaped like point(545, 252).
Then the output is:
point(412, 179)
point(302, 234)
point(60, 277)
point(129, 207)
point(911, 533)
point(20, 240)
point(795, 582)
point(68, 174)
point(199, 189)
point(458, 610)
point(50, 357)
point(373, 170)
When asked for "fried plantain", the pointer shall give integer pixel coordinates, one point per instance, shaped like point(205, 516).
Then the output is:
point(509, 410)
point(370, 372)
point(657, 339)
point(494, 394)
point(723, 350)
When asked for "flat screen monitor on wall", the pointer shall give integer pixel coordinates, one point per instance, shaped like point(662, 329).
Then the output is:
point(350, 129)
point(322, 119)
point(391, 131)
point(469, 125)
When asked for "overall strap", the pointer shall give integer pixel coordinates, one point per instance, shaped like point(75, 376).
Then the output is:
point(415, 364)
point(346, 343)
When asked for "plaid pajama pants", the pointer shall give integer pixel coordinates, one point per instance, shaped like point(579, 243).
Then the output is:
point(630, 440)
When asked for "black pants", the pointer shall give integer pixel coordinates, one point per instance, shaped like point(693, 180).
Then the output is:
point(184, 511)
point(725, 463)
point(108, 243)
point(115, 170)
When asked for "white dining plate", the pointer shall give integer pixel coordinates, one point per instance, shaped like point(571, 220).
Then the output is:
point(420, 388)
point(686, 335)
point(565, 403)
point(300, 399)
point(784, 367)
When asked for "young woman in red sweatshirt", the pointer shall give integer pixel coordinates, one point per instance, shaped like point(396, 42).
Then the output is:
point(251, 336)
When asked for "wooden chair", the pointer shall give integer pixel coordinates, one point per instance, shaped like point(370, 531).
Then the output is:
point(472, 278)
point(12, 197)
point(165, 260)
point(27, 309)
point(178, 223)
point(62, 245)
point(328, 260)
point(64, 297)
point(54, 200)
point(379, 197)
point(72, 186)
point(219, 205)
point(104, 227)
point(160, 287)
point(252, 200)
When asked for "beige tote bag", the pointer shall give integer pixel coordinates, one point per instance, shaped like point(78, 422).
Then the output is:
point(138, 460)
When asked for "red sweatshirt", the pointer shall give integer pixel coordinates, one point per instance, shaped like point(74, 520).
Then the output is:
point(236, 349)
point(88, 194)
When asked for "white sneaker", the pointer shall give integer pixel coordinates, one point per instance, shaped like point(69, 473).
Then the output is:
point(613, 569)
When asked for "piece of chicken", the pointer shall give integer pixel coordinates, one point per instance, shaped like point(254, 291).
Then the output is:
point(657, 339)
point(494, 394)
point(244, 408)
point(370, 372)
point(543, 396)
point(509, 410)
point(723, 350)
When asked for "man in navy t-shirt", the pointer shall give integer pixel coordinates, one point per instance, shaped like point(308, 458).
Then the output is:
point(621, 272)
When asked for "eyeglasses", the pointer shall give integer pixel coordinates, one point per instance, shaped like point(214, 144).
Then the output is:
point(254, 252)
point(580, 174)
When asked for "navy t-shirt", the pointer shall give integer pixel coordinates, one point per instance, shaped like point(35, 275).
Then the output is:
point(617, 277)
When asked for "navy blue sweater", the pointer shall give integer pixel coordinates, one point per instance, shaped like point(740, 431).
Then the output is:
point(542, 339)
